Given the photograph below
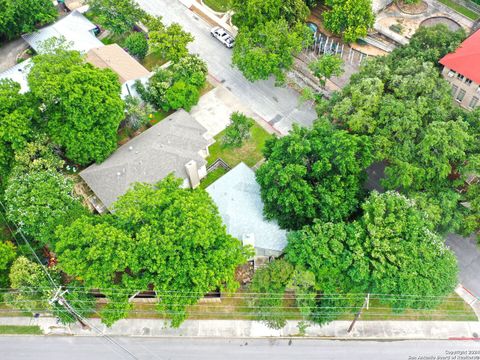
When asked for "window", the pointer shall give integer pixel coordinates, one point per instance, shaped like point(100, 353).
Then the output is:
point(451, 73)
point(461, 95)
point(454, 90)
point(473, 102)
point(478, 89)
point(460, 77)
point(468, 82)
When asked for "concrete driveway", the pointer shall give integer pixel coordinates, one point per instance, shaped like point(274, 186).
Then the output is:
point(279, 106)
point(9, 52)
point(468, 255)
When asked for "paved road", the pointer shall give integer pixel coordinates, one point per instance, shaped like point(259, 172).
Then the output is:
point(468, 254)
point(277, 105)
point(81, 348)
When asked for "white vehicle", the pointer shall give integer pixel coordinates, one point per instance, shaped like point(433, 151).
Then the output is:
point(223, 36)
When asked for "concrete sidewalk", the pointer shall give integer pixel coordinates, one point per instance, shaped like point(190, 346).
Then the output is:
point(253, 329)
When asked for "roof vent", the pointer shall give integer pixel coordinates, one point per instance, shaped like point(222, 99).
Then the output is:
point(130, 148)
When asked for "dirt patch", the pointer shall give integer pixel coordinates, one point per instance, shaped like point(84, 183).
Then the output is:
point(413, 9)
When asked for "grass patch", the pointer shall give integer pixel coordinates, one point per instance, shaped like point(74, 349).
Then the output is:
point(115, 39)
point(153, 60)
point(20, 330)
point(212, 177)
point(453, 308)
point(219, 5)
point(250, 152)
point(461, 9)
point(159, 116)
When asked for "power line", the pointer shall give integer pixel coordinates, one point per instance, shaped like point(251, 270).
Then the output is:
point(245, 295)
point(59, 297)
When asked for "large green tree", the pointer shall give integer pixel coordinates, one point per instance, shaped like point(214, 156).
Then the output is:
point(390, 250)
point(118, 16)
point(38, 201)
point(16, 115)
point(161, 237)
point(81, 105)
point(350, 18)
point(170, 42)
point(22, 16)
point(429, 146)
point(431, 43)
point(313, 174)
point(7, 255)
point(177, 86)
point(269, 49)
point(250, 13)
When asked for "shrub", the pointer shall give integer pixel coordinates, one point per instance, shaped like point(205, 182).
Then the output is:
point(137, 44)
point(238, 131)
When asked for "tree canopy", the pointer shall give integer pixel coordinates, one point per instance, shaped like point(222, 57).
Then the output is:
point(403, 104)
point(326, 66)
point(16, 122)
point(118, 16)
point(177, 86)
point(81, 107)
point(38, 201)
point(250, 13)
point(160, 237)
point(171, 42)
point(270, 33)
point(350, 18)
point(313, 174)
point(22, 16)
point(391, 249)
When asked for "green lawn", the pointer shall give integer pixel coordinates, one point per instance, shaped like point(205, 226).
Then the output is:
point(250, 153)
point(115, 39)
point(219, 5)
point(20, 330)
point(212, 177)
point(452, 309)
point(153, 60)
point(461, 9)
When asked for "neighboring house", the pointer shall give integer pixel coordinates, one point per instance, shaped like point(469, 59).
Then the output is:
point(75, 28)
point(19, 73)
point(177, 144)
point(462, 70)
point(127, 68)
point(237, 196)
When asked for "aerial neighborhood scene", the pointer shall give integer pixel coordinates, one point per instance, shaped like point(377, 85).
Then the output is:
point(231, 179)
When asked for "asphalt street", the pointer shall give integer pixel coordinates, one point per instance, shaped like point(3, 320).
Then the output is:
point(468, 255)
point(93, 348)
point(277, 105)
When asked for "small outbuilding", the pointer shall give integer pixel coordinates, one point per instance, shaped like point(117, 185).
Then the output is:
point(122, 63)
point(237, 196)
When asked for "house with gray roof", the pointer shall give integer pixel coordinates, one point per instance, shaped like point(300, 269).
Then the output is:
point(237, 196)
point(75, 28)
point(178, 144)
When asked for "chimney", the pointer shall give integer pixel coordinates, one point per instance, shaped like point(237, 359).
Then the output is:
point(192, 171)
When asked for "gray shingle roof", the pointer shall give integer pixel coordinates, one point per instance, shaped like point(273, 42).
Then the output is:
point(75, 28)
point(237, 195)
point(163, 149)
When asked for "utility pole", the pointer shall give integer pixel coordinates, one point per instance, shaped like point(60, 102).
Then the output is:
point(366, 303)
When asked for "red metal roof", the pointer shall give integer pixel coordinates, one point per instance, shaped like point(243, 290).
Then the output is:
point(466, 59)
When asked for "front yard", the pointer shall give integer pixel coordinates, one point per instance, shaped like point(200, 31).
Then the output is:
point(250, 152)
